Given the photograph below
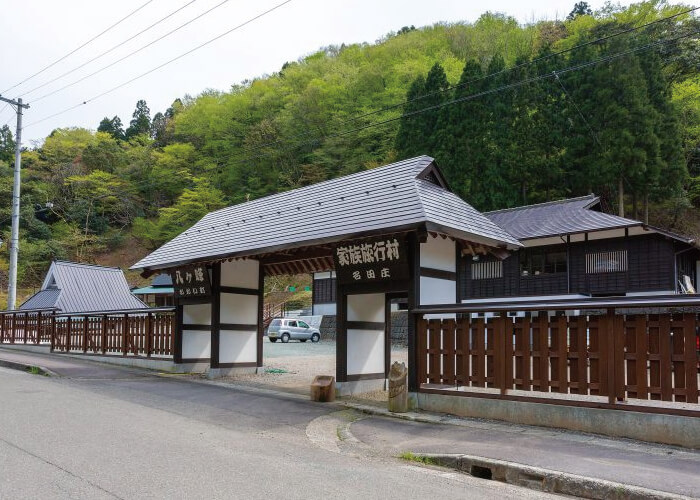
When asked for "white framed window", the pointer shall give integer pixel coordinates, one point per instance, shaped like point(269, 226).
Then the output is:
point(606, 262)
point(487, 270)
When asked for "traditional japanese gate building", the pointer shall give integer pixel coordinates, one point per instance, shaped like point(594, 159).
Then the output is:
point(394, 231)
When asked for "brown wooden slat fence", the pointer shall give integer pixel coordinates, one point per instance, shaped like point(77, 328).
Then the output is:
point(620, 356)
point(139, 332)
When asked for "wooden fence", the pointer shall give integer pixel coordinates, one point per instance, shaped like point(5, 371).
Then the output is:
point(140, 332)
point(614, 353)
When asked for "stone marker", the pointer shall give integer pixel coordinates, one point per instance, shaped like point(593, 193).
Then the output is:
point(323, 389)
point(398, 390)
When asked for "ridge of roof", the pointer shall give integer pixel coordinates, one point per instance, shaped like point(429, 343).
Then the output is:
point(319, 185)
point(83, 264)
point(592, 197)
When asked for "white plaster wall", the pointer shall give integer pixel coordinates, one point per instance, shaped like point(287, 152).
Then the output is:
point(324, 309)
point(196, 314)
point(240, 273)
point(239, 308)
point(437, 291)
point(365, 351)
point(366, 307)
point(438, 253)
point(196, 344)
point(237, 347)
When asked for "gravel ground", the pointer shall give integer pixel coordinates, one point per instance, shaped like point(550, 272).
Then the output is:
point(291, 367)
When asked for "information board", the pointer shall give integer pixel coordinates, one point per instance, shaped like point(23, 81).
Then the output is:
point(191, 281)
point(371, 260)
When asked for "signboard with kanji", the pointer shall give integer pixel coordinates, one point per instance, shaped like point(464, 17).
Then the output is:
point(191, 281)
point(371, 260)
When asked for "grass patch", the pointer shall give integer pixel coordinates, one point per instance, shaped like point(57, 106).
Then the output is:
point(412, 457)
point(35, 370)
point(275, 370)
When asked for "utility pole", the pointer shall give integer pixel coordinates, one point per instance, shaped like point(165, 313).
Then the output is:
point(14, 239)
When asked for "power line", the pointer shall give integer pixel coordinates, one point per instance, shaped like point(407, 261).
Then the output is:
point(130, 53)
point(252, 19)
point(518, 66)
point(111, 49)
point(569, 69)
point(78, 48)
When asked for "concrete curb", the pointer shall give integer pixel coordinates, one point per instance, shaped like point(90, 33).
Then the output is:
point(545, 480)
point(13, 365)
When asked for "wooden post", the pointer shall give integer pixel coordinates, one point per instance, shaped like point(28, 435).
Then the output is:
point(85, 334)
point(125, 335)
point(610, 347)
point(69, 332)
point(149, 334)
point(53, 331)
point(103, 339)
point(14, 327)
point(176, 335)
point(37, 339)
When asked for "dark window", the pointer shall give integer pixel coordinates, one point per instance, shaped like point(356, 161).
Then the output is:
point(606, 262)
point(487, 270)
point(538, 261)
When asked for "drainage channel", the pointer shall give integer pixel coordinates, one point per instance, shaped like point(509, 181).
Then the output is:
point(545, 480)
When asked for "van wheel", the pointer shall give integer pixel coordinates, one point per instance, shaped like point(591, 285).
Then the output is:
point(285, 338)
point(315, 337)
point(273, 340)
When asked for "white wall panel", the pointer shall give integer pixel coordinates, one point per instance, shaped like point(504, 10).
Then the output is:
point(196, 314)
point(237, 347)
point(240, 273)
point(324, 309)
point(438, 253)
point(366, 307)
point(437, 291)
point(365, 351)
point(196, 344)
point(239, 308)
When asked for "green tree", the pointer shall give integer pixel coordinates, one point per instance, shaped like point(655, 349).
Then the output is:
point(580, 9)
point(140, 121)
point(7, 145)
point(191, 206)
point(112, 126)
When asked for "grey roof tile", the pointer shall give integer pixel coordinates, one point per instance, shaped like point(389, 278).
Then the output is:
point(557, 218)
point(388, 198)
point(86, 287)
point(43, 299)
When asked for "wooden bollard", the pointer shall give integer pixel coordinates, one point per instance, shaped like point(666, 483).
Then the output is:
point(398, 393)
point(323, 389)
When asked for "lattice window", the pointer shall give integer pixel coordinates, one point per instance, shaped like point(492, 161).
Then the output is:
point(606, 262)
point(487, 270)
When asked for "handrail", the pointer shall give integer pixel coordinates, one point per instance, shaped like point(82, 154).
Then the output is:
point(145, 310)
point(23, 311)
point(563, 304)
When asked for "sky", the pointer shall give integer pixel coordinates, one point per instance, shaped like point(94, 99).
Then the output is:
point(36, 34)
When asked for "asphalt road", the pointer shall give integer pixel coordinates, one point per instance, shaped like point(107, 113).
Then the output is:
point(136, 436)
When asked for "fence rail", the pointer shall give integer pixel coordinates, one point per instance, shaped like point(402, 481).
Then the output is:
point(614, 354)
point(139, 332)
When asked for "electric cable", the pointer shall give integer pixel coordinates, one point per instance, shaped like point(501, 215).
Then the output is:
point(78, 48)
point(110, 50)
point(518, 66)
point(130, 53)
point(252, 19)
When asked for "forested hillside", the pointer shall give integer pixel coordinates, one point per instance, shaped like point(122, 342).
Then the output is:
point(513, 113)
